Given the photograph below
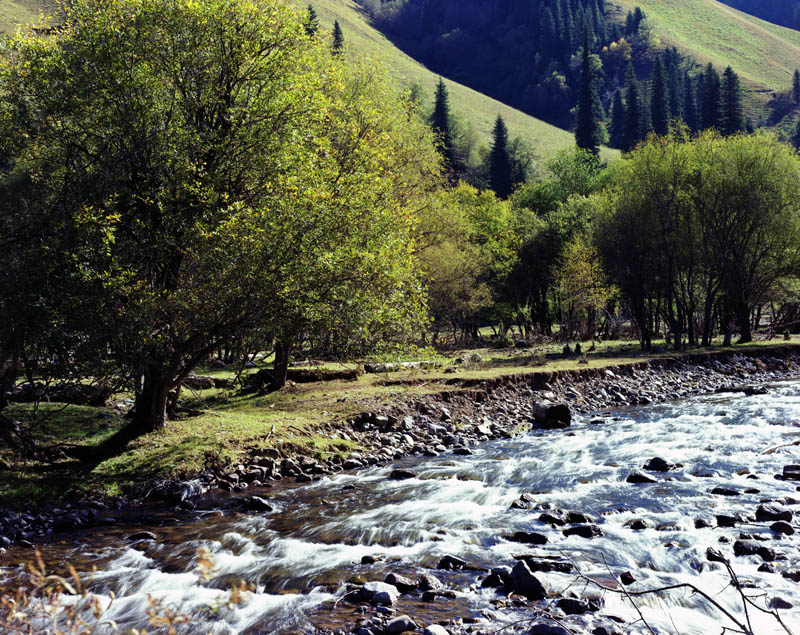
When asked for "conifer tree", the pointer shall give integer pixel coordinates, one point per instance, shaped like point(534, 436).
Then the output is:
point(311, 22)
point(676, 89)
point(633, 130)
point(690, 114)
point(548, 30)
point(440, 121)
point(710, 105)
point(659, 99)
point(617, 120)
point(500, 178)
point(796, 87)
point(587, 130)
point(731, 115)
point(338, 38)
point(796, 136)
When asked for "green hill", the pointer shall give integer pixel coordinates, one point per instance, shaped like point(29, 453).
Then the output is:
point(364, 41)
point(367, 43)
point(763, 54)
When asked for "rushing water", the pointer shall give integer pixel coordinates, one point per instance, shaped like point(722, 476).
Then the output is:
point(300, 556)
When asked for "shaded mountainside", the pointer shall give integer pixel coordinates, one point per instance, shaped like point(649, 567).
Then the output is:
point(783, 12)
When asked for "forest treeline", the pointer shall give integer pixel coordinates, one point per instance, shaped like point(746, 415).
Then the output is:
point(181, 178)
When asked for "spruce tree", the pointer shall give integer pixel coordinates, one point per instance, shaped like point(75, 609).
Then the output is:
point(587, 130)
point(617, 120)
point(500, 179)
point(731, 115)
point(338, 38)
point(311, 22)
point(633, 130)
point(796, 136)
point(659, 99)
point(440, 121)
point(710, 105)
point(690, 114)
point(676, 90)
point(796, 87)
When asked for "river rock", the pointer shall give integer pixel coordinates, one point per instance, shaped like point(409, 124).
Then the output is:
point(451, 562)
point(638, 524)
point(725, 491)
point(545, 564)
point(548, 629)
point(657, 464)
point(576, 518)
point(701, 523)
point(427, 582)
point(405, 585)
point(791, 472)
point(627, 578)
point(572, 606)
point(525, 583)
point(256, 504)
point(782, 527)
point(400, 624)
point(779, 603)
point(752, 548)
point(772, 512)
point(435, 629)
point(584, 531)
point(142, 535)
point(530, 538)
point(640, 477)
point(380, 593)
point(553, 517)
point(401, 475)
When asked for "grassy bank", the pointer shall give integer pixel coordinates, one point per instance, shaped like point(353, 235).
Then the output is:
point(301, 418)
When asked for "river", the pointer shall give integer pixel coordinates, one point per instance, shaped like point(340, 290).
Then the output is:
point(299, 557)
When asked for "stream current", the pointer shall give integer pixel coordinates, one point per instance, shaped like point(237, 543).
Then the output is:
point(300, 556)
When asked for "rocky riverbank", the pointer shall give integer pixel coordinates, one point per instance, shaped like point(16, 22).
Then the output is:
point(454, 420)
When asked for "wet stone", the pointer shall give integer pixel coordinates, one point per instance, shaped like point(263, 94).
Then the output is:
point(399, 625)
point(701, 523)
point(782, 527)
point(752, 548)
point(576, 607)
point(627, 578)
point(779, 603)
point(428, 582)
point(640, 477)
point(401, 475)
point(451, 562)
point(525, 583)
point(142, 535)
point(435, 629)
point(638, 524)
point(529, 538)
point(725, 491)
point(584, 531)
point(405, 585)
point(772, 512)
point(657, 464)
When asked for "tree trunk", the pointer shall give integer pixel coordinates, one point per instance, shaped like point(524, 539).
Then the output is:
point(742, 312)
point(280, 368)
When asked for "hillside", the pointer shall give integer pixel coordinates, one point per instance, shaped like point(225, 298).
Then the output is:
point(763, 54)
point(364, 40)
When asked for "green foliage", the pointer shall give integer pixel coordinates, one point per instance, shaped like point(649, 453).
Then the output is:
point(213, 172)
point(659, 99)
point(337, 38)
point(311, 23)
point(589, 115)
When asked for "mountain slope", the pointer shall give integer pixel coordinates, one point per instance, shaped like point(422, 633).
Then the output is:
point(364, 41)
point(763, 54)
point(367, 43)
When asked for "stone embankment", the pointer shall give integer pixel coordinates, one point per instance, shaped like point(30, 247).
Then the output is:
point(459, 417)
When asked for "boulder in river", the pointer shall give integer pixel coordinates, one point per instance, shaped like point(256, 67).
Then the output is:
point(530, 538)
point(142, 535)
point(379, 592)
point(400, 624)
point(571, 606)
point(725, 491)
point(435, 629)
point(451, 562)
point(404, 584)
point(640, 477)
point(401, 475)
point(427, 582)
point(256, 504)
point(584, 531)
point(657, 464)
point(638, 523)
point(773, 511)
point(752, 548)
point(524, 583)
point(782, 527)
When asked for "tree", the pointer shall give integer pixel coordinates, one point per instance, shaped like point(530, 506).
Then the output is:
point(587, 129)
point(659, 99)
point(617, 120)
point(311, 23)
point(337, 44)
point(633, 131)
point(731, 115)
point(500, 168)
point(796, 87)
point(276, 188)
point(796, 136)
point(710, 93)
point(690, 114)
point(441, 122)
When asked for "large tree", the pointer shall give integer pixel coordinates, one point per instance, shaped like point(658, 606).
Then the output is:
point(215, 172)
point(588, 118)
point(500, 167)
point(731, 118)
point(633, 128)
point(441, 121)
point(659, 99)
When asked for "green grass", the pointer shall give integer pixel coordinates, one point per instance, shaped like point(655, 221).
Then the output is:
point(763, 54)
point(298, 419)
